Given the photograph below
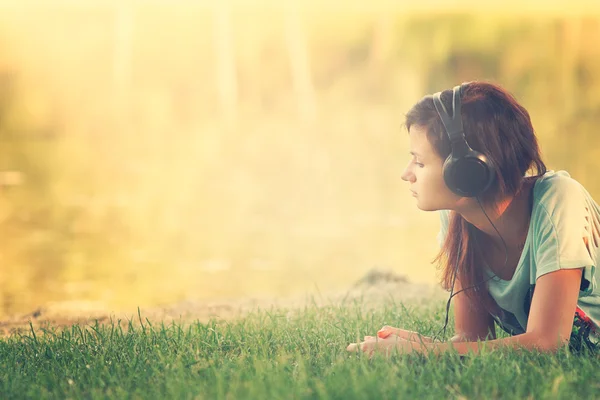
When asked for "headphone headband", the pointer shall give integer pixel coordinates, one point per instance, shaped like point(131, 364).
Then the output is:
point(452, 123)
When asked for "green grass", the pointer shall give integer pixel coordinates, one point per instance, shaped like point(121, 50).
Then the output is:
point(273, 354)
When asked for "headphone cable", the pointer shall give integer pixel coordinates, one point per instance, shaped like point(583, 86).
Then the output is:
point(456, 270)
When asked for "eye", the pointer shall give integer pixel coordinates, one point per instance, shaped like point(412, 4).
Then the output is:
point(414, 161)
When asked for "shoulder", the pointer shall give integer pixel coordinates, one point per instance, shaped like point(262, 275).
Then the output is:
point(557, 190)
point(557, 183)
point(561, 206)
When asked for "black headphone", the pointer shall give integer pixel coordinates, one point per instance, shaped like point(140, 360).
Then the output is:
point(467, 172)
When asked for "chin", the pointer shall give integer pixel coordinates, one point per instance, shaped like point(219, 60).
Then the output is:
point(422, 207)
point(428, 207)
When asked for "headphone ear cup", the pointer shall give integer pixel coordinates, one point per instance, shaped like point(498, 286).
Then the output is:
point(469, 175)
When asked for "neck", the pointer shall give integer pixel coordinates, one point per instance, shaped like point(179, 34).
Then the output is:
point(510, 216)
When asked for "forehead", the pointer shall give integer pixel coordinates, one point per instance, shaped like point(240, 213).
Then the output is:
point(419, 143)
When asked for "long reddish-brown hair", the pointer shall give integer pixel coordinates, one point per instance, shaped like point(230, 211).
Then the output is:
point(496, 125)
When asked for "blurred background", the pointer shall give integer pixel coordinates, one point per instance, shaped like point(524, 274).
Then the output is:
point(156, 151)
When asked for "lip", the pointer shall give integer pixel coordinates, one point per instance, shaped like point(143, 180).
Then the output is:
point(414, 193)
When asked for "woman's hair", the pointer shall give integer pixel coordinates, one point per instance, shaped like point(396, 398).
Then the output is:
point(499, 127)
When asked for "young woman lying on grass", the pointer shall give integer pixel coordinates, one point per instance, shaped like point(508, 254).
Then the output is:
point(519, 244)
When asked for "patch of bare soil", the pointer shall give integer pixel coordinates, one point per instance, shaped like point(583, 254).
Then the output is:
point(373, 290)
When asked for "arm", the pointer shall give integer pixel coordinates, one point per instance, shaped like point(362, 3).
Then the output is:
point(412, 336)
point(472, 322)
point(549, 324)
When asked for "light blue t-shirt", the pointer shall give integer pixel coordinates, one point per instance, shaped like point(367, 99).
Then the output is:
point(563, 215)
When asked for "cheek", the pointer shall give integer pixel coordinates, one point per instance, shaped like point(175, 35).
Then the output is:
point(432, 178)
point(433, 188)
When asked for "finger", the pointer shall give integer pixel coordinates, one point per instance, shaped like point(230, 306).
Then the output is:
point(352, 347)
point(365, 347)
point(383, 334)
point(387, 331)
point(392, 329)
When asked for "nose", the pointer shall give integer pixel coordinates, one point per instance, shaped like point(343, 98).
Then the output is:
point(408, 175)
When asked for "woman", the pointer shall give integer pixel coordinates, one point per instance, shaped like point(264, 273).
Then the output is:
point(519, 244)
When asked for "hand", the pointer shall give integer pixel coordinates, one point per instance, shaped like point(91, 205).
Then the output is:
point(386, 346)
point(404, 334)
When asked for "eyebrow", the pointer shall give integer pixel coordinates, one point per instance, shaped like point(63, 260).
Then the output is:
point(414, 154)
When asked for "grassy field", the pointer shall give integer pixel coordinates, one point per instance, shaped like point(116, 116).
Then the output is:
point(277, 353)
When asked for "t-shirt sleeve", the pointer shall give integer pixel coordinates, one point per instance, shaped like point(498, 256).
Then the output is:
point(563, 223)
point(444, 223)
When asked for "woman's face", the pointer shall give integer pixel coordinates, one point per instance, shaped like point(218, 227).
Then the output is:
point(424, 174)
